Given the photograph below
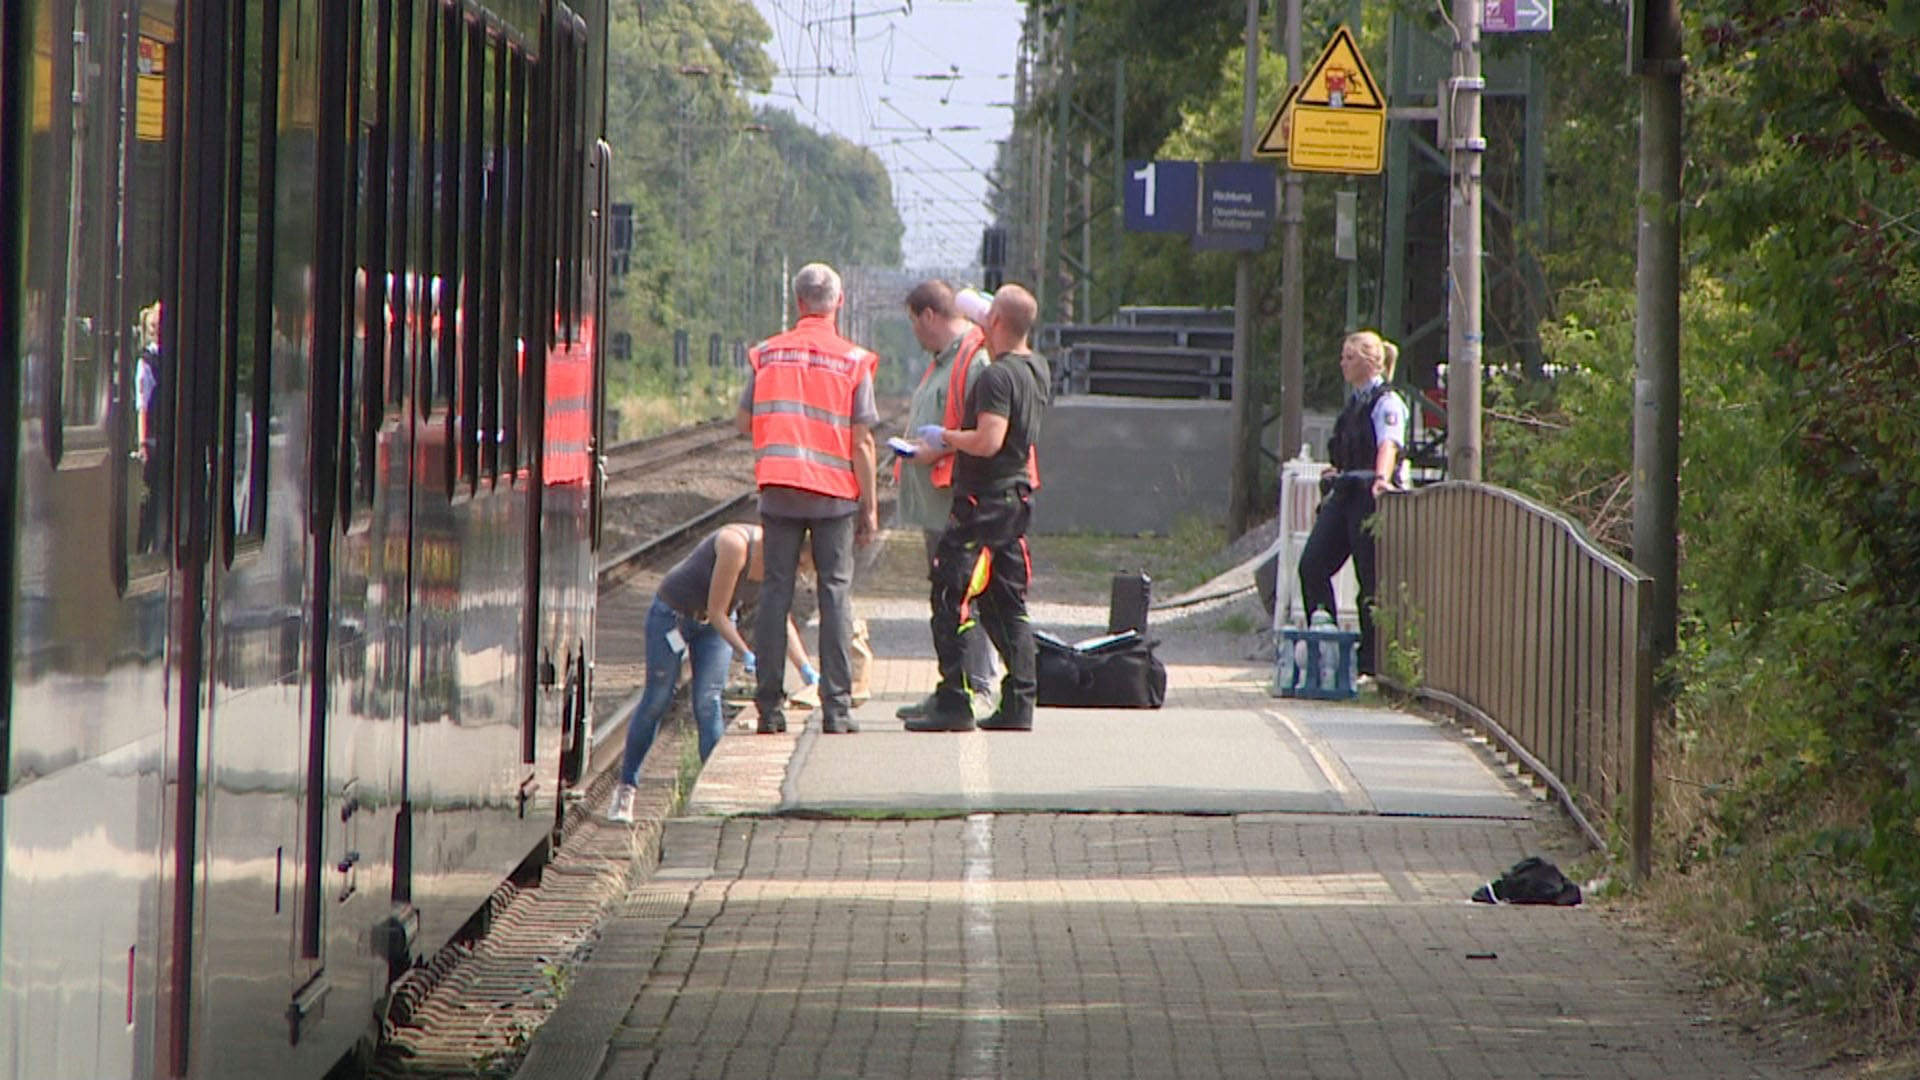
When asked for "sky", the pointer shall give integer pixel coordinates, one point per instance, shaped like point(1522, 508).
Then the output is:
point(926, 84)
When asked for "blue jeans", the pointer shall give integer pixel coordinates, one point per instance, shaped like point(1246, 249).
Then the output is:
point(710, 654)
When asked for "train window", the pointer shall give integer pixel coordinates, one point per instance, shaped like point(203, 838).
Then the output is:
point(372, 290)
point(355, 442)
point(71, 320)
point(425, 285)
point(579, 190)
point(472, 160)
point(571, 185)
point(490, 430)
point(513, 275)
point(400, 274)
point(149, 276)
point(12, 74)
point(452, 72)
point(248, 318)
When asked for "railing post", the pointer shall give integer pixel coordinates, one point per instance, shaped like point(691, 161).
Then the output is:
point(1640, 816)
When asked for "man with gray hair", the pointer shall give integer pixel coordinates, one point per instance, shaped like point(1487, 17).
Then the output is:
point(809, 407)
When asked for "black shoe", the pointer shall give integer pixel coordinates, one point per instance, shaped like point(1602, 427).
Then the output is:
point(845, 726)
point(944, 716)
point(773, 724)
point(1000, 721)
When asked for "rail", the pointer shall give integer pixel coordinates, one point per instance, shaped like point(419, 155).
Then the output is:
point(1507, 615)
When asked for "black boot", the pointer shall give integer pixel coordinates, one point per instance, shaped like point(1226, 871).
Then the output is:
point(950, 712)
point(1005, 719)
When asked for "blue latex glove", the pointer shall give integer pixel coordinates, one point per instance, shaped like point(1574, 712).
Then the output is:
point(808, 675)
point(932, 436)
point(747, 662)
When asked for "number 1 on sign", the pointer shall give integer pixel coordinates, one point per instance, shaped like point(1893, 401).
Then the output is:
point(1144, 174)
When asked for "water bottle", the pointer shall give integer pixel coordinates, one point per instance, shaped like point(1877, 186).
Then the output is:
point(973, 304)
point(1286, 672)
point(1329, 649)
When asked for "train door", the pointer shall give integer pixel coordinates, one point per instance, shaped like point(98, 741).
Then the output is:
point(84, 702)
point(570, 390)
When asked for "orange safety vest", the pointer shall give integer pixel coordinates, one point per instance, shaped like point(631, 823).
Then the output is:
point(971, 342)
point(803, 386)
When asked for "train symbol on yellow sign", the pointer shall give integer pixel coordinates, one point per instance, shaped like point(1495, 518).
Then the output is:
point(1334, 120)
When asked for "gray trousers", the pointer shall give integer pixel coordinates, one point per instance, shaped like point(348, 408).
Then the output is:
point(977, 657)
point(832, 545)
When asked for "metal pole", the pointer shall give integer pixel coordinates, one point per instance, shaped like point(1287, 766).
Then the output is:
point(1118, 266)
point(1465, 147)
point(1054, 306)
point(1293, 380)
point(1246, 408)
point(1656, 396)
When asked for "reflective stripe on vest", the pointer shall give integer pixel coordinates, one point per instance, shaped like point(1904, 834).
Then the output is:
point(803, 386)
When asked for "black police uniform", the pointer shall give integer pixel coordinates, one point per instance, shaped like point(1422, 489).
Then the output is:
point(981, 567)
point(1339, 529)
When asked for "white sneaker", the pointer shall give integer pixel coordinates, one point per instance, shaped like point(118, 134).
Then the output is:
point(620, 807)
point(983, 704)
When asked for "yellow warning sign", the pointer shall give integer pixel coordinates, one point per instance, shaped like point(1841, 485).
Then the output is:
point(150, 90)
point(1273, 144)
point(1332, 140)
point(1340, 79)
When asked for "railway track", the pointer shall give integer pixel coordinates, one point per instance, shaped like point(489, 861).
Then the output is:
point(471, 1010)
point(634, 455)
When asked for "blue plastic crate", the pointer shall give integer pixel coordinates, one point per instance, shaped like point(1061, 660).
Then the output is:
point(1306, 679)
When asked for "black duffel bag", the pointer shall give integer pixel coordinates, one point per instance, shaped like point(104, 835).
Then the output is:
point(1115, 672)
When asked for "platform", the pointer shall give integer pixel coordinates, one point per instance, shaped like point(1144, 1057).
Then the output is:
point(1232, 886)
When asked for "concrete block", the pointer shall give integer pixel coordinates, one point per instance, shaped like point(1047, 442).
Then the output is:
point(1131, 465)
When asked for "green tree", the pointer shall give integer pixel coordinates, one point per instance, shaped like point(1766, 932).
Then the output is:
point(725, 197)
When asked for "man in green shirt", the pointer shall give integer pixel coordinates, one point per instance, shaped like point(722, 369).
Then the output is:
point(959, 351)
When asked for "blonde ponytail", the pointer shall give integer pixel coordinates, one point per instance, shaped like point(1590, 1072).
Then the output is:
point(1380, 352)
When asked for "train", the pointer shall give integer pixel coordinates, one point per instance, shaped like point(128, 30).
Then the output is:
point(299, 430)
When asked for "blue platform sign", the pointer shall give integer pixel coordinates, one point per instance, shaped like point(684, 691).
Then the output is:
point(1237, 204)
point(1162, 196)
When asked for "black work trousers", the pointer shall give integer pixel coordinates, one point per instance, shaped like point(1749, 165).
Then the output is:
point(1339, 532)
point(980, 574)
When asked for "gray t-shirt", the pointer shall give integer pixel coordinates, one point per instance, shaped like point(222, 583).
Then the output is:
point(792, 502)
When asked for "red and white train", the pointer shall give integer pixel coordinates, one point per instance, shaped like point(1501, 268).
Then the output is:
point(299, 400)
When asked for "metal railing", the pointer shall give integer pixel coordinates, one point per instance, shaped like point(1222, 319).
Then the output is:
point(1525, 628)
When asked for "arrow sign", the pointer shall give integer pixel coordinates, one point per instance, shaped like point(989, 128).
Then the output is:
point(1516, 16)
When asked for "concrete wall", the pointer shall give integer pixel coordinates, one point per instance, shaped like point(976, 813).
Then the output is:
point(1131, 465)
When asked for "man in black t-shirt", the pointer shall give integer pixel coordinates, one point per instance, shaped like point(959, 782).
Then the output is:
point(981, 567)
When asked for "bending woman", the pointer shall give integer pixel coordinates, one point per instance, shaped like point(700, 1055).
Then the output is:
point(1365, 452)
point(692, 617)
